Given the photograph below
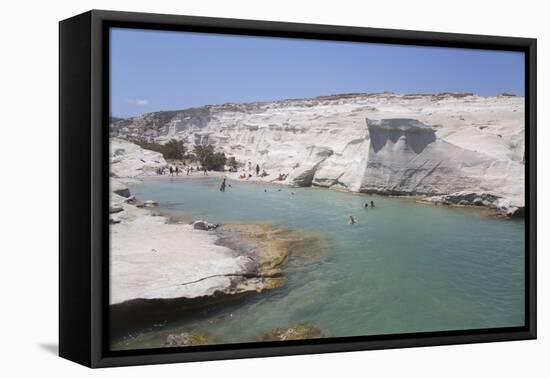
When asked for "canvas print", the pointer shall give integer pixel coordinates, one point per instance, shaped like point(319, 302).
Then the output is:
point(270, 189)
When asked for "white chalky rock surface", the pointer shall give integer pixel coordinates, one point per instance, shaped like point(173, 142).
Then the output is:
point(152, 259)
point(129, 160)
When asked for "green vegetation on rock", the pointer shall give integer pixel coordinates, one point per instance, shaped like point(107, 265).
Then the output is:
point(173, 149)
point(213, 161)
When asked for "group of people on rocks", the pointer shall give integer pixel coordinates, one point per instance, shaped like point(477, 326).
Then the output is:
point(175, 170)
point(172, 170)
point(244, 176)
point(282, 177)
point(247, 173)
point(249, 169)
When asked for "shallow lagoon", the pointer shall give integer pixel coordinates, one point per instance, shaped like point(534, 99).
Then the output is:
point(404, 267)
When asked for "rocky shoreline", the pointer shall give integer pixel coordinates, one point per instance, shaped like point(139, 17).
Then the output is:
point(153, 257)
point(498, 205)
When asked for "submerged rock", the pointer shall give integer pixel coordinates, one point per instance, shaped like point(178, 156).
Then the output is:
point(148, 203)
point(187, 339)
point(299, 331)
point(271, 245)
point(274, 282)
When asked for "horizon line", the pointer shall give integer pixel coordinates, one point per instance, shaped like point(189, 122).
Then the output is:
point(323, 96)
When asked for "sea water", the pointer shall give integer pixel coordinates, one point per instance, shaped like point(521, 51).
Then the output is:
point(403, 267)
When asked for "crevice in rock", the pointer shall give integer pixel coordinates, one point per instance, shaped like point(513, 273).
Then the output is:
point(243, 275)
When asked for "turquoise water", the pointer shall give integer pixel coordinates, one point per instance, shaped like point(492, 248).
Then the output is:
point(404, 267)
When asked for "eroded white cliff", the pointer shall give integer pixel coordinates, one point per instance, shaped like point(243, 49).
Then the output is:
point(406, 157)
point(430, 144)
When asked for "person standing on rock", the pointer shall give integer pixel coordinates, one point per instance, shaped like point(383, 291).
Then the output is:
point(177, 171)
point(257, 169)
point(171, 171)
point(205, 171)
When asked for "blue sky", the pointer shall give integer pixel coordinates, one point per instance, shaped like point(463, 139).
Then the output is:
point(160, 70)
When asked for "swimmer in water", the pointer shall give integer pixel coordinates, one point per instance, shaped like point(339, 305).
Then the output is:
point(351, 220)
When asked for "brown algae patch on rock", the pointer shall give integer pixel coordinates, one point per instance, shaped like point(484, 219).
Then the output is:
point(270, 245)
point(274, 282)
point(299, 331)
point(187, 339)
point(273, 246)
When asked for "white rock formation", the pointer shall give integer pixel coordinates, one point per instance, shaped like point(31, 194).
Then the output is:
point(153, 259)
point(449, 142)
point(406, 157)
point(203, 225)
point(129, 160)
point(120, 188)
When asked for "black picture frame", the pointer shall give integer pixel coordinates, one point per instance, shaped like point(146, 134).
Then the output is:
point(84, 187)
